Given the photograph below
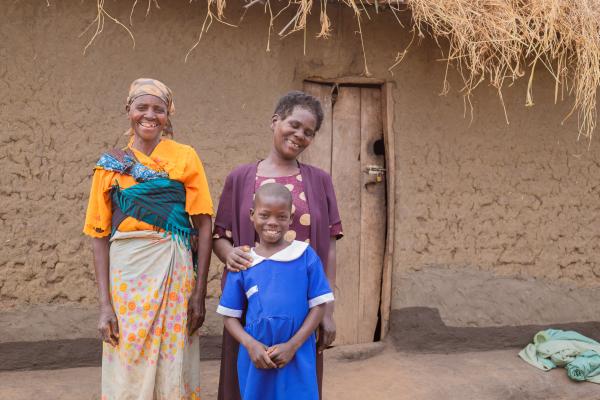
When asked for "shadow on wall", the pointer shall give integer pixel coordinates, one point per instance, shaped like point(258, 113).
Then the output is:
point(421, 329)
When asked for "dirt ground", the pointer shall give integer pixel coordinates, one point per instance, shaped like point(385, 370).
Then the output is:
point(389, 375)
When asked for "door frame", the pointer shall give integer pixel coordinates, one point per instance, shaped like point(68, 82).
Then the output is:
point(387, 115)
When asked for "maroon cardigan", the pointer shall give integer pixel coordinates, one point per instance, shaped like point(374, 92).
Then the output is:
point(233, 213)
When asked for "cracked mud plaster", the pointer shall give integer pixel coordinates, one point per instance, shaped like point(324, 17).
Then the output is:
point(497, 226)
point(61, 109)
point(518, 200)
point(521, 200)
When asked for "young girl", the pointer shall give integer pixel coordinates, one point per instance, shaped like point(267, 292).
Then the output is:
point(295, 124)
point(283, 294)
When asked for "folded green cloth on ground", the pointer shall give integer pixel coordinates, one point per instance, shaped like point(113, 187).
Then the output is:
point(585, 367)
point(553, 348)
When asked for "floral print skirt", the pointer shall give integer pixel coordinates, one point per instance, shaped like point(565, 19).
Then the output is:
point(151, 281)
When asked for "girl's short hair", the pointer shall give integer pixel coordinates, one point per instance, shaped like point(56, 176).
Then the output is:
point(285, 105)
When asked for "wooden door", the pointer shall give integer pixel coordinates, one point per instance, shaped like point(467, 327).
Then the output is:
point(347, 146)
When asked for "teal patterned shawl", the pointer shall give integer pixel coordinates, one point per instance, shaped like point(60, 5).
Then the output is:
point(156, 199)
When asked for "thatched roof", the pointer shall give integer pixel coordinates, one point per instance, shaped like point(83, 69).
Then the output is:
point(494, 41)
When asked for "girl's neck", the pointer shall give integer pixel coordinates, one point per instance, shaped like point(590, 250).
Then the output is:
point(275, 165)
point(268, 249)
point(144, 146)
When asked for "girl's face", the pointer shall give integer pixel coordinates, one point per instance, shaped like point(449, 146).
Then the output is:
point(294, 133)
point(272, 217)
point(148, 116)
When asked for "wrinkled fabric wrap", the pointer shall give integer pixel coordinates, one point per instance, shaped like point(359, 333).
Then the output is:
point(159, 202)
point(153, 87)
point(578, 354)
point(124, 161)
point(151, 281)
point(156, 199)
point(584, 367)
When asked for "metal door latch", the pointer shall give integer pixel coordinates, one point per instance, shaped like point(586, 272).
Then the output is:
point(376, 170)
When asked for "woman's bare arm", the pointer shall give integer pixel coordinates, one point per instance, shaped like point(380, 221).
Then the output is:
point(327, 327)
point(196, 308)
point(331, 265)
point(107, 324)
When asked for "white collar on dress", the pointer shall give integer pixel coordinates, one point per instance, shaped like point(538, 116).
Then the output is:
point(290, 253)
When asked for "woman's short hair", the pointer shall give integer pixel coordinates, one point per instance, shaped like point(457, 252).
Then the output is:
point(285, 105)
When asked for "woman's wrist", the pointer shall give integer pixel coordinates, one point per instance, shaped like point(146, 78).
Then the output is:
point(248, 342)
point(329, 308)
point(294, 344)
point(200, 286)
point(228, 252)
point(222, 247)
point(199, 291)
point(106, 304)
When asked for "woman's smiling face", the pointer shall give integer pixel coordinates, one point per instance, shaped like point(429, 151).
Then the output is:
point(148, 116)
point(294, 133)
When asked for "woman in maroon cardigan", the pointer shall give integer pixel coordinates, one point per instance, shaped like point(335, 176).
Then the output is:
point(295, 122)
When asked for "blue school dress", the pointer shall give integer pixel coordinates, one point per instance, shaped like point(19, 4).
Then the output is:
point(277, 293)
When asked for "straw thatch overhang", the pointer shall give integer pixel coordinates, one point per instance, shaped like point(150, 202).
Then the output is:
point(493, 41)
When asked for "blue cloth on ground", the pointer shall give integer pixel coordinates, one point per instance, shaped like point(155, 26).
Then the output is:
point(553, 348)
point(584, 367)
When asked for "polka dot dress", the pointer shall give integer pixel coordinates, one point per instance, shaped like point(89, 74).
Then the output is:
point(300, 227)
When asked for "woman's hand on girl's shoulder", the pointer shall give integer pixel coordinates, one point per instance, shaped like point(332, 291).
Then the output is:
point(238, 259)
point(108, 325)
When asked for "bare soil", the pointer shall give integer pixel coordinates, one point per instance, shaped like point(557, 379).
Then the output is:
point(389, 375)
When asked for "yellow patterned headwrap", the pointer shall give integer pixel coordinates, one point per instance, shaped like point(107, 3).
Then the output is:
point(144, 86)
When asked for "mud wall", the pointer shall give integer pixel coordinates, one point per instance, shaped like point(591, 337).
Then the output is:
point(481, 198)
point(496, 223)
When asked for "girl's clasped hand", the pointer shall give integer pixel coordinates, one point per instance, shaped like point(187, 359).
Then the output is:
point(281, 354)
point(259, 354)
point(277, 356)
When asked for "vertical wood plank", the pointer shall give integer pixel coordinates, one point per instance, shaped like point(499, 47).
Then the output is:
point(390, 160)
point(319, 151)
point(372, 216)
point(347, 181)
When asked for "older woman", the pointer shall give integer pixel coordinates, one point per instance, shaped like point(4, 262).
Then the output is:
point(295, 122)
point(151, 303)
